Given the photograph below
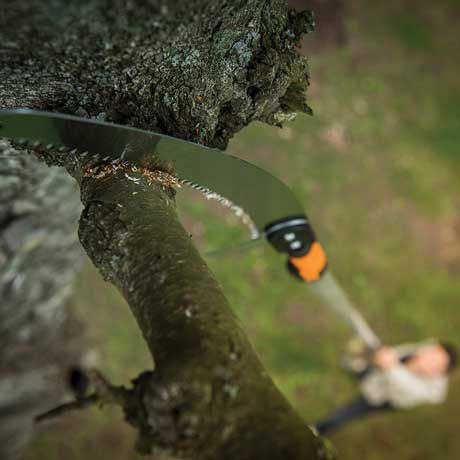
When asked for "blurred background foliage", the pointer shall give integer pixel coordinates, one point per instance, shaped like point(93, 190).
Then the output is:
point(378, 169)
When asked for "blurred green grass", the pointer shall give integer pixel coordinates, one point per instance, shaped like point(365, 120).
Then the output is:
point(378, 170)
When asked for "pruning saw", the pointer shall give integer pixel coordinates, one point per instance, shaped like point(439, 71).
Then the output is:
point(264, 203)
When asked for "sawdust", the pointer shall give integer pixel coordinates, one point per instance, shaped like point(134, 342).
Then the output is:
point(162, 177)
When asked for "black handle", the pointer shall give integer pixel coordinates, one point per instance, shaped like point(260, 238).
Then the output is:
point(295, 236)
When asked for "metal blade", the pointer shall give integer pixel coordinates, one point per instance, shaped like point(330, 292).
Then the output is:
point(243, 187)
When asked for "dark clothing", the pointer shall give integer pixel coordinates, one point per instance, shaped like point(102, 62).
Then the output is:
point(357, 408)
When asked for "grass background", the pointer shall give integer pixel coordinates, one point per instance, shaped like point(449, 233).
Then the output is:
point(378, 170)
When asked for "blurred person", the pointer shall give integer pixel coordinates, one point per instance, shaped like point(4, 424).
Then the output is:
point(396, 378)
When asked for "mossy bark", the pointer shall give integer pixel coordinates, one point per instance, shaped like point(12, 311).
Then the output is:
point(209, 397)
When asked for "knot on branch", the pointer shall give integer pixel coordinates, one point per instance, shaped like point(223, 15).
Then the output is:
point(168, 416)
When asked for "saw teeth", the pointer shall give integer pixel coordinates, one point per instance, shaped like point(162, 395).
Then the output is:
point(237, 210)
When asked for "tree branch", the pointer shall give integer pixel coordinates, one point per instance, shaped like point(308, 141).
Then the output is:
point(200, 70)
point(209, 396)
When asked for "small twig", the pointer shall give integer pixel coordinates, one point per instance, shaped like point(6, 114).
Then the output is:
point(63, 409)
point(105, 393)
point(108, 393)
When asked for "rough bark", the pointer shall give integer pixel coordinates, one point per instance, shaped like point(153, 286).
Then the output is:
point(199, 70)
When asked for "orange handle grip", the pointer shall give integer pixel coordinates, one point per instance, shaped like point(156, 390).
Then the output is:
point(310, 266)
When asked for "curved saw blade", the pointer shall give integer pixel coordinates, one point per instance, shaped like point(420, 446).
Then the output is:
point(252, 193)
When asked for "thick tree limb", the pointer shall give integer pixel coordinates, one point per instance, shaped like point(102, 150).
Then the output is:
point(209, 397)
point(200, 69)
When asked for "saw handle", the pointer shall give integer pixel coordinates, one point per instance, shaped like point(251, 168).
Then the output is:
point(295, 236)
point(311, 266)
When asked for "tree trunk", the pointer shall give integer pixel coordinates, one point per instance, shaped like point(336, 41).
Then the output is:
point(39, 255)
point(199, 70)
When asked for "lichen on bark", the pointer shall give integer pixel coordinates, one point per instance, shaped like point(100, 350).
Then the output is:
point(200, 70)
